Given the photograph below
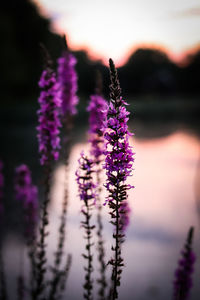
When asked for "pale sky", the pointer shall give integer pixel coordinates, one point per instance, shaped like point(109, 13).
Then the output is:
point(112, 28)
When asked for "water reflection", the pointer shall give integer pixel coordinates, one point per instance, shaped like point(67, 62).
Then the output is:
point(163, 208)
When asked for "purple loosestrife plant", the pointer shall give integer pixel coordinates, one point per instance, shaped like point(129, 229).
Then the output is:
point(118, 165)
point(67, 79)
point(49, 144)
point(27, 193)
point(49, 122)
point(67, 88)
point(97, 115)
point(87, 196)
point(97, 110)
point(183, 274)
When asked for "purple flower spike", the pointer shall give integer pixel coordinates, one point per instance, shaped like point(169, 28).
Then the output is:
point(1, 187)
point(118, 164)
point(49, 123)
point(27, 193)
point(183, 274)
point(97, 108)
point(67, 79)
point(85, 180)
point(119, 154)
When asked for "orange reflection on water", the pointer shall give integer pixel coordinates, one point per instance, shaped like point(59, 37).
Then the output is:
point(163, 179)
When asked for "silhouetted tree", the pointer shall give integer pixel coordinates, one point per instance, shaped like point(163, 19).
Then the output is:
point(22, 29)
point(148, 71)
point(189, 79)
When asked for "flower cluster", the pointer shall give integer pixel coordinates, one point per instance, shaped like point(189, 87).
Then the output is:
point(67, 80)
point(118, 165)
point(27, 193)
point(49, 123)
point(1, 187)
point(119, 154)
point(183, 274)
point(97, 109)
point(85, 180)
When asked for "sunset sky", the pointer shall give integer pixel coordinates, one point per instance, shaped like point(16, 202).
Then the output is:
point(113, 28)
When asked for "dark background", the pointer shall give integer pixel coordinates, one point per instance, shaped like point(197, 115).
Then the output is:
point(147, 71)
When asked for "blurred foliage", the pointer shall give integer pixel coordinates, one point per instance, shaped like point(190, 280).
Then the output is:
point(22, 28)
point(149, 71)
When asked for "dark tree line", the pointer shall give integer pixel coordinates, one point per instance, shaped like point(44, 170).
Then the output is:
point(22, 28)
point(151, 71)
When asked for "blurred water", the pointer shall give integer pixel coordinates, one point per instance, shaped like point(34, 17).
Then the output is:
point(164, 205)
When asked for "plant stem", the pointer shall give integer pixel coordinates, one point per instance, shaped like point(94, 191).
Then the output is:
point(41, 253)
point(88, 283)
point(61, 240)
point(100, 248)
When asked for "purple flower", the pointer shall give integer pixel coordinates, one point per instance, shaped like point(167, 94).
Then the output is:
point(118, 164)
point(67, 80)
point(119, 154)
point(85, 180)
point(124, 215)
point(183, 274)
point(97, 108)
point(1, 187)
point(27, 193)
point(49, 123)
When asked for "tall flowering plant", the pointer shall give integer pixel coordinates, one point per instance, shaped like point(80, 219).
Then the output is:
point(118, 165)
point(48, 117)
point(49, 145)
point(97, 110)
point(67, 89)
point(97, 114)
point(184, 271)
point(87, 196)
point(27, 193)
point(67, 80)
